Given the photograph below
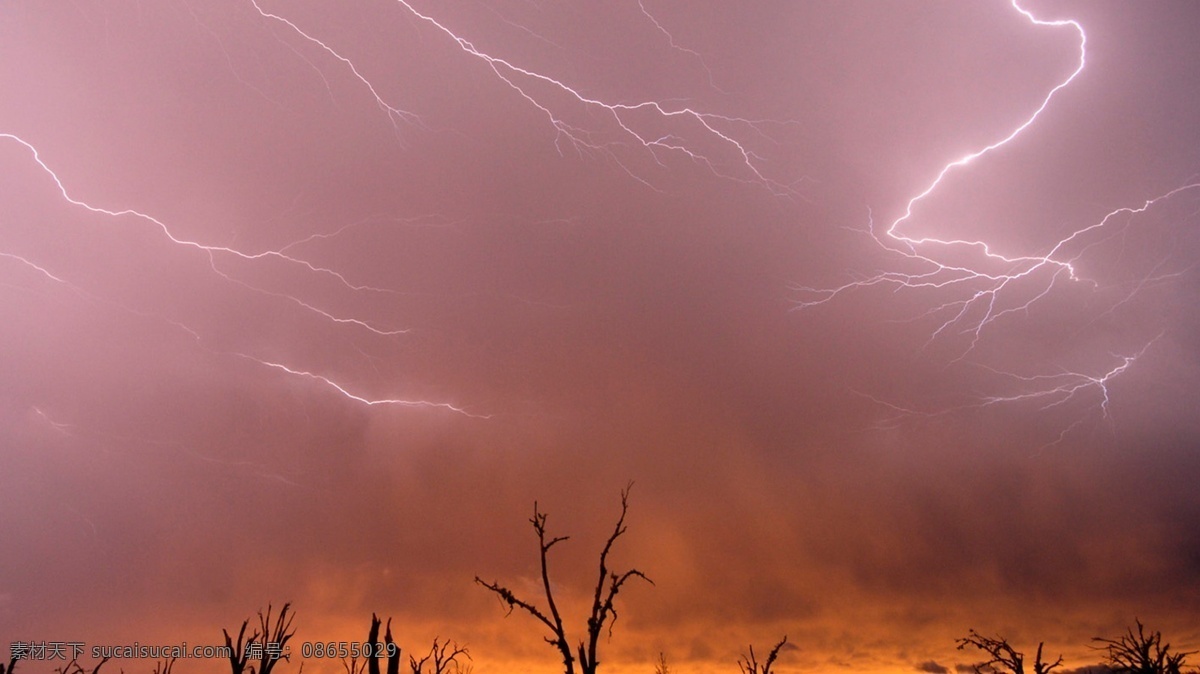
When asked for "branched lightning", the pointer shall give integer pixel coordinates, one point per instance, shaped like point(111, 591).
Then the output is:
point(726, 157)
point(1047, 391)
point(366, 401)
point(211, 253)
point(677, 47)
point(1053, 390)
point(997, 284)
point(395, 114)
point(521, 80)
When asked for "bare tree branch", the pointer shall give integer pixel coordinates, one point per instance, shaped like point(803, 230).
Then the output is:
point(73, 667)
point(1003, 656)
point(353, 666)
point(267, 645)
point(602, 607)
point(238, 653)
point(661, 667)
point(608, 585)
point(393, 650)
point(1142, 653)
point(558, 632)
point(749, 664)
point(372, 657)
point(443, 656)
point(275, 637)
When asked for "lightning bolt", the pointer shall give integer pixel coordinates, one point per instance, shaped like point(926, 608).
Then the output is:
point(371, 402)
point(211, 252)
point(1066, 385)
point(32, 265)
point(726, 157)
point(677, 47)
point(994, 285)
point(524, 82)
point(997, 284)
point(395, 114)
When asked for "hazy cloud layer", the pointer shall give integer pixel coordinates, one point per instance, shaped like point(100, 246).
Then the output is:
point(393, 292)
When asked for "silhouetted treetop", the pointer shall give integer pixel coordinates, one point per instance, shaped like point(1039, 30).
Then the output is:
point(603, 611)
point(1142, 653)
point(1004, 657)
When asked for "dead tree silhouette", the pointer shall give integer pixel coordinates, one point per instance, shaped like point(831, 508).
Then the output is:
point(354, 666)
point(442, 656)
point(73, 667)
point(660, 667)
point(393, 652)
point(750, 664)
point(1142, 653)
point(267, 645)
point(1004, 656)
point(369, 664)
point(603, 609)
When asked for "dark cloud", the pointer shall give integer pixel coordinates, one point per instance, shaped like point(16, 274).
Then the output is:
point(931, 667)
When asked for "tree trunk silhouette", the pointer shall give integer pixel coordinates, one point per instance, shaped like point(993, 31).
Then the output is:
point(267, 645)
point(608, 585)
point(276, 637)
point(393, 650)
point(1142, 653)
point(1004, 655)
point(372, 639)
point(442, 656)
point(238, 653)
point(750, 665)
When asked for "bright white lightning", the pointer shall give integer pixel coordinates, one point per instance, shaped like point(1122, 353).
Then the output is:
point(1065, 386)
point(619, 113)
point(908, 210)
point(1011, 283)
point(398, 402)
point(394, 114)
point(677, 47)
point(505, 70)
point(1048, 390)
point(211, 252)
point(942, 274)
point(42, 270)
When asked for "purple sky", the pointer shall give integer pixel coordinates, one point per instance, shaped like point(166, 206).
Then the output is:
point(309, 301)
